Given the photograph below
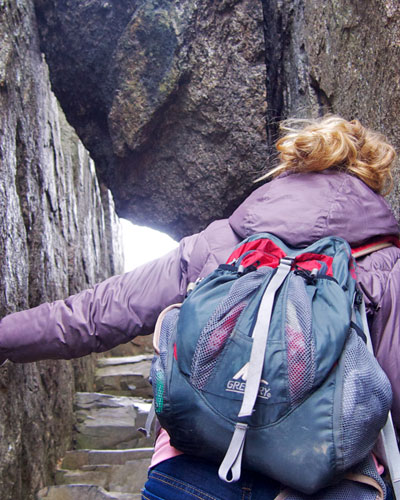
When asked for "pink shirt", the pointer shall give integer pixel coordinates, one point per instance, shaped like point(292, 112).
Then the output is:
point(163, 449)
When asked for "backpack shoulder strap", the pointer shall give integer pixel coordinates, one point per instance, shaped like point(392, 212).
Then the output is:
point(375, 244)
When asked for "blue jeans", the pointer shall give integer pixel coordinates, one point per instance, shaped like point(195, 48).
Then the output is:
point(185, 477)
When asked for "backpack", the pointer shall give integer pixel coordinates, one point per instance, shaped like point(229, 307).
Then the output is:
point(265, 365)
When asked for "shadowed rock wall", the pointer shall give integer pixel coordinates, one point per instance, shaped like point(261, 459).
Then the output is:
point(176, 123)
point(178, 101)
point(58, 234)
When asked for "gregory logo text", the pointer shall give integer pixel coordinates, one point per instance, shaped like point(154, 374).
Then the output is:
point(238, 384)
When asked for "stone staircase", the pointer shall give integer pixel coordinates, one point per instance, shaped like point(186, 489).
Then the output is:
point(110, 456)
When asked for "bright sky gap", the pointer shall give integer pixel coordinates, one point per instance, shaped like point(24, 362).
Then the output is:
point(142, 244)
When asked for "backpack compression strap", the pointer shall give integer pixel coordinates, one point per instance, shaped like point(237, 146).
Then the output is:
point(230, 467)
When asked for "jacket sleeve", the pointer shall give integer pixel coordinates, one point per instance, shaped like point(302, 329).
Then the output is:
point(381, 285)
point(386, 333)
point(97, 319)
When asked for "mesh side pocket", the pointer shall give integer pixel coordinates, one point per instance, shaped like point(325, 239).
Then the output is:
point(157, 381)
point(366, 400)
point(159, 363)
point(220, 325)
point(299, 341)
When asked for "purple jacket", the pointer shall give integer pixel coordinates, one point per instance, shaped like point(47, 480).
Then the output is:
point(299, 208)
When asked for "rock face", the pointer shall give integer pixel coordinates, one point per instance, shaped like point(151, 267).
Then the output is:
point(340, 57)
point(176, 121)
point(179, 100)
point(58, 234)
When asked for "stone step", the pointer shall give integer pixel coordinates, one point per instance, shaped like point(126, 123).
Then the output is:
point(139, 345)
point(125, 376)
point(123, 360)
point(76, 459)
point(83, 492)
point(109, 422)
point(127, 478)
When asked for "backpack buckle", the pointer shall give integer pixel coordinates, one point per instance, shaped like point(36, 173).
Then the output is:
point(286, 261)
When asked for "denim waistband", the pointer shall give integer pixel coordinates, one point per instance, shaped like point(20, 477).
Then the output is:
point(186, 477)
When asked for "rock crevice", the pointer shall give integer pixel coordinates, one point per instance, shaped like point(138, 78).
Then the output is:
point(56, 229)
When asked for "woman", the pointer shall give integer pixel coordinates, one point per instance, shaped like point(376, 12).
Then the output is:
point(328, 182)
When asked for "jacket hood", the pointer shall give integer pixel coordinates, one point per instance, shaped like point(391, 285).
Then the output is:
point(302, 208)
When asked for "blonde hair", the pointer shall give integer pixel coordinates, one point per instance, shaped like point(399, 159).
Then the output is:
point(333, 142)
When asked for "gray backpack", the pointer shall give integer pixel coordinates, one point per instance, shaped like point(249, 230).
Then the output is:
point(265, 365)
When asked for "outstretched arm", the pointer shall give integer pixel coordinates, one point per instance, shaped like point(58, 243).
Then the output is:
point(97, 319)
